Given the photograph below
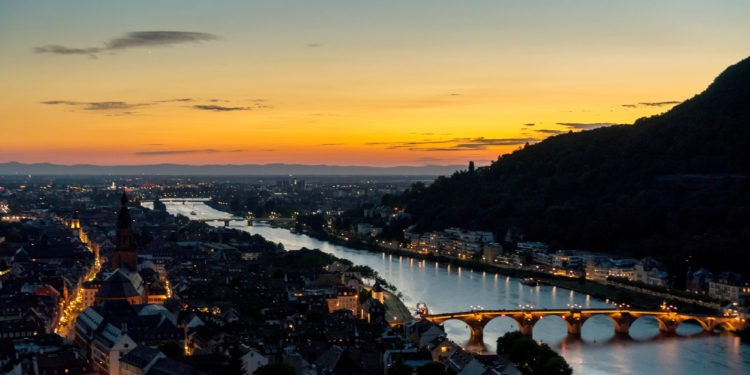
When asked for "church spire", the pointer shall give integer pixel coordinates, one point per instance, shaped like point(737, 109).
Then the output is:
point(125, 254)
point(123, 219)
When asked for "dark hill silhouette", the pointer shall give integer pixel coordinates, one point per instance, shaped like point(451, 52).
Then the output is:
point(675, 185)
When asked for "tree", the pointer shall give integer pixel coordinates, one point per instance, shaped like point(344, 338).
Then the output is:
point(366, 271)
point(531, 357)
point(555, 365)
point(505, 342)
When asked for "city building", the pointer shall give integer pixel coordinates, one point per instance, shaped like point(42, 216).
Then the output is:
point(729, 286)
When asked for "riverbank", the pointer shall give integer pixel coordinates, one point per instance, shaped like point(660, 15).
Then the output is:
point(612, 292)
point(395, 310)
point(448, 289)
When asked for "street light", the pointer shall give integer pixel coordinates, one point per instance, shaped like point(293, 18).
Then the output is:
point(621, 306)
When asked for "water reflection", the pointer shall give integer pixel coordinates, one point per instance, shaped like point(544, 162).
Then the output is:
point(597, 351)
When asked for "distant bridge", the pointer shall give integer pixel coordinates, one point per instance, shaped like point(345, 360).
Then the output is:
point(575, 317)
point(183, 200)
point(225, 220)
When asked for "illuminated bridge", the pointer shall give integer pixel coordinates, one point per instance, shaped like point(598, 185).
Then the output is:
point(623, 318)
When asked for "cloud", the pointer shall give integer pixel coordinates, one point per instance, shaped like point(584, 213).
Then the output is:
point(67, 102)
point(652, 104)
point(456, 144)
point(158, 38)
point(550, 131)
point(585, 126)
point(106, 106)
point(98, 106)
point(219, 108)
point(659, 104)
point(132, 40)
point(482, 143)
point(332, 144)
point(430, 142)
point(182, 152)
point(529, 124)
point(123, 106)
point(175, 100)
point(126, 113)
point(314, 45)
point(62, 50)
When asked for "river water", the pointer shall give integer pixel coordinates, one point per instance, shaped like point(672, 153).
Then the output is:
point(449, 288)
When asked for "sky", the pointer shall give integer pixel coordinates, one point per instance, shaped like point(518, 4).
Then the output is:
point(348, 82)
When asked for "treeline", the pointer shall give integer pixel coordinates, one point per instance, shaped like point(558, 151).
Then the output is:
point(531, 357)
point(675, 185)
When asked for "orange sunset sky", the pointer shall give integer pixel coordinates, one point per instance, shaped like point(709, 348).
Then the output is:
point(378, 83)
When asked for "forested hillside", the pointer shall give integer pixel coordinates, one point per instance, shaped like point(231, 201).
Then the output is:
point(675, 185)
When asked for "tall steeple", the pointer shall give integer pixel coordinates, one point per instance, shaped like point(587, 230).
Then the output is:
point(75, 222)
point(125, 254)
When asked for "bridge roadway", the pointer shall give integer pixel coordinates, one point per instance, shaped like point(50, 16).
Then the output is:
point(574, 319)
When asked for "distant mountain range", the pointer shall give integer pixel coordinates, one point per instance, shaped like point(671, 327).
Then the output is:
point(14, 168)
point(675, 185)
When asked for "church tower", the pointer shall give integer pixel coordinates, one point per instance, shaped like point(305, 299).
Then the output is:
point(75, 225)
point(125, 254)
point(75, 222)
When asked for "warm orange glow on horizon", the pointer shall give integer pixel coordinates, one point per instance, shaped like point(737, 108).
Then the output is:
point(371, 84)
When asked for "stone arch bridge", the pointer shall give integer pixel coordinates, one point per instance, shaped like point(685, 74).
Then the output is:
point(574, 319)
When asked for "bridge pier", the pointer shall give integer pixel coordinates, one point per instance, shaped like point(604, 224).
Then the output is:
point(574, 327)
point(526, 323)
point(622, 322)
point(477, 336)
point(668, 325)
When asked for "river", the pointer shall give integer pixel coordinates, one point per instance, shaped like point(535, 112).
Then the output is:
point(449, 288)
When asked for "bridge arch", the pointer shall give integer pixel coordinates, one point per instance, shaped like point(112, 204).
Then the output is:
point(456, 323)
point(598, 327)
point(463, 330)
point(497, 327)
point(646, 327)
point(555, 327)
point(704, 325)
point(576, 321)
point(595, 317)
point(501, 320)
point(726, 326)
